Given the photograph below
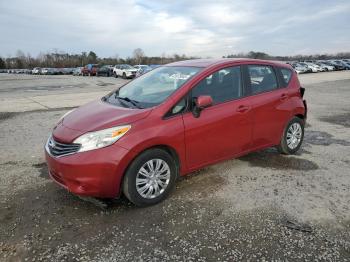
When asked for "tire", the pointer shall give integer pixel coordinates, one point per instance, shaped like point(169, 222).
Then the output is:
point(289, 147)
point(134, 192)
point(124, 76)
point(115, 75)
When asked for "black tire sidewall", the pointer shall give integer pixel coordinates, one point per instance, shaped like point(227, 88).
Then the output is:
point(129, 181)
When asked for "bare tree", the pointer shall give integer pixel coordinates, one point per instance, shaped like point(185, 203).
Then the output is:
point(138, 54)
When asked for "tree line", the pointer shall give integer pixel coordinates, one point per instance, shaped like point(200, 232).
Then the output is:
point(262, 55)
point(62, 59)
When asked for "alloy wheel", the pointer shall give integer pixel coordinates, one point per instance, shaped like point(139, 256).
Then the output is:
point(153, 178)
point(294, 135)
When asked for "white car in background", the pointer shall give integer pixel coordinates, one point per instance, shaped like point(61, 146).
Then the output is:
point(314, 68)
point(124, 71)
point(44, 71)
point(300, 69)
point(36, 71)
point(325, 67)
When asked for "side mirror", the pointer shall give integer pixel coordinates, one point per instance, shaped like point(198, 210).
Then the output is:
point(200, 103)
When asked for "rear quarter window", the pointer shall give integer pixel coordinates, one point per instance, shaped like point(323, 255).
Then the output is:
point(286, 75)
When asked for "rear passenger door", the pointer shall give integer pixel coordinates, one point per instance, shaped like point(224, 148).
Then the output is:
point(269, 104)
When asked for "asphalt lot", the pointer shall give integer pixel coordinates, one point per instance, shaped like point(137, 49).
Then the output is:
point(263, 206)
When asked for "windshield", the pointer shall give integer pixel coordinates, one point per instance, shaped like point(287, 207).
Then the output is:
point(128, 67)
point(152, 88)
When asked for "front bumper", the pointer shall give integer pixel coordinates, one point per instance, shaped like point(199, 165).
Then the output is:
point(130, 74)
point(95, 173)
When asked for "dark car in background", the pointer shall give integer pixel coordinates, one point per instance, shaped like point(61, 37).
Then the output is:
point(89, 70)
point(104, 71)
point(336, 66)
point(342, 63)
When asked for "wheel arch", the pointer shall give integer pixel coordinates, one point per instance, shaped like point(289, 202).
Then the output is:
point(167, 148)
point(301, 116)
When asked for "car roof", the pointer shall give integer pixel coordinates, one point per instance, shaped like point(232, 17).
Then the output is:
point(218, 61)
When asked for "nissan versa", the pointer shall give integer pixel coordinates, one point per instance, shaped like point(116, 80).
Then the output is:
point(173, 120)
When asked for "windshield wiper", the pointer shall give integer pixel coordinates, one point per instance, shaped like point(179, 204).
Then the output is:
point(127, 99)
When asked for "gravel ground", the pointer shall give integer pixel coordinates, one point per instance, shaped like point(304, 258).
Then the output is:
point(263, 206)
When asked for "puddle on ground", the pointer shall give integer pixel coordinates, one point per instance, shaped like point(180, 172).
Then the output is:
point(42, 168)
point(6, 115)
point(204, 182)
point(271, 158)
point(11, 163)
point(322, 139)
point(340, 119)
point(104, 84)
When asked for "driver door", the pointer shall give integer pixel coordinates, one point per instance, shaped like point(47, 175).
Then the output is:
point(224, 129)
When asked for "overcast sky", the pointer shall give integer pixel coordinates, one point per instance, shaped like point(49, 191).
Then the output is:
point(192, 27)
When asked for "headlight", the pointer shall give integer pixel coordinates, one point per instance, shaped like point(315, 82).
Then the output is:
point(102, 138)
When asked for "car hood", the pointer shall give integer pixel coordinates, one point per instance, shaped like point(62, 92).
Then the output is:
point(96, 115)
point(131, 70)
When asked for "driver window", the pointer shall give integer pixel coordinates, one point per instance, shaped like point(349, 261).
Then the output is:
point(222, 86)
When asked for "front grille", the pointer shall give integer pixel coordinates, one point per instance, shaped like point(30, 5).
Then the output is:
point(59, 149)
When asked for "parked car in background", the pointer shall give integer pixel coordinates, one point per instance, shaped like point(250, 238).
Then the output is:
point(298, 68)
point(104, 71)
point(139, 139)
point(77, 71)
point(315, 68)
point(325, 67)
point(36, 71)
point(67, 70)
point(336, 66)
point(124, 71)
point(341, 63)
point(142, 69)
point(89, 70)
point(44, 71)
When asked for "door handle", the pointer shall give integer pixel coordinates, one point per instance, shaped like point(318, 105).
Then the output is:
point(284, 96)
point(243, 109)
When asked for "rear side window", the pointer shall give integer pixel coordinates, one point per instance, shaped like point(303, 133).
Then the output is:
point(262, 78)
point(222, 86)
point(286, 74)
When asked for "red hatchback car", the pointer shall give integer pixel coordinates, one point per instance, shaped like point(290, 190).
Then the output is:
point(173, 120)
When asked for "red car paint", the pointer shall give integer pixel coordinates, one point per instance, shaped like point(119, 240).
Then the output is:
point(222, 131)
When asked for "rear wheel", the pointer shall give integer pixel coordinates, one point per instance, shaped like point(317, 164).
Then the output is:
point(150, 177)
point(124, 75)
point(292, 137)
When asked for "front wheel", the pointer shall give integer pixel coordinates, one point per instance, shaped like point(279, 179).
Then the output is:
point(293, 136)
point(150, 177)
